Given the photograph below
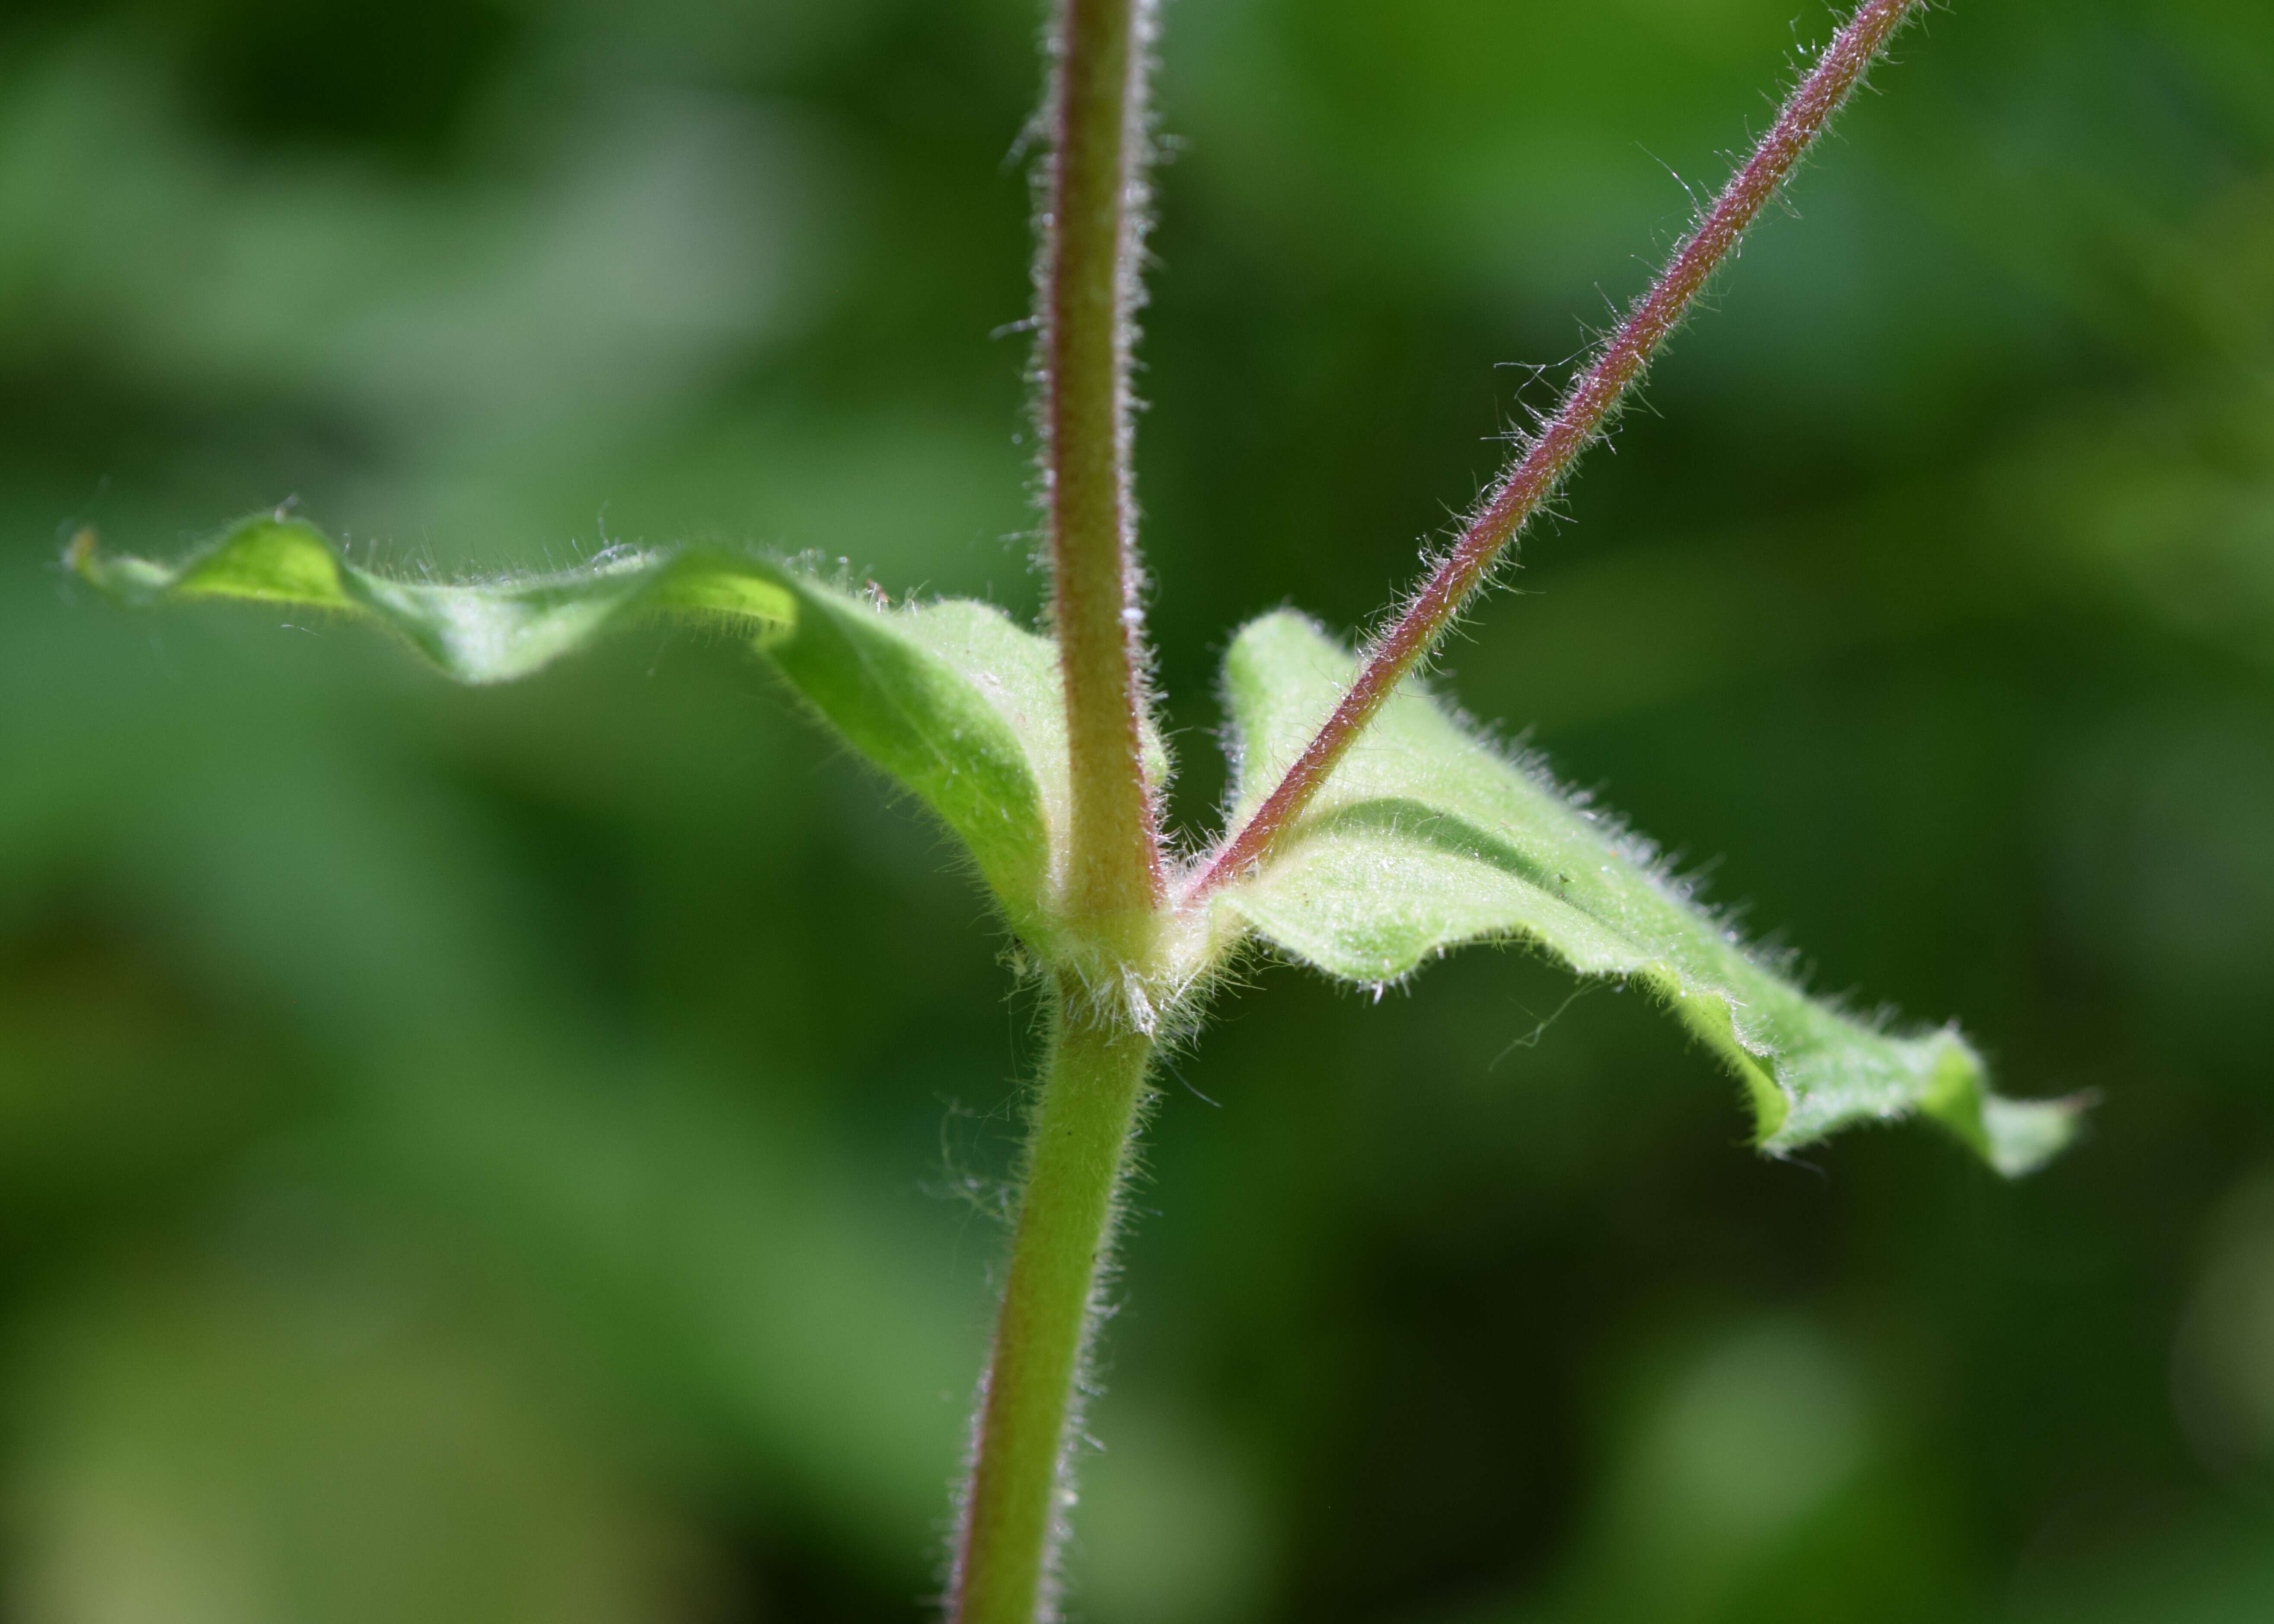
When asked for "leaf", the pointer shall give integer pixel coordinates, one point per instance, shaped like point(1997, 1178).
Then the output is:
point(1426, 837)
point(951, 699)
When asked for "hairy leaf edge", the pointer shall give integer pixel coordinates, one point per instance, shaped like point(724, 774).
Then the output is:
point(832, 647)
point(2016, 1137)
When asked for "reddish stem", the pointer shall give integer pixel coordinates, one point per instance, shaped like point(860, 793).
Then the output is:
point(1548, 458)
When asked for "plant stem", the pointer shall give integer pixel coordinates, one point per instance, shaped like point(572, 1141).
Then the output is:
point(1078, 1149)
point(1549, 455)
point(1085, 1113)
point(1093, 227)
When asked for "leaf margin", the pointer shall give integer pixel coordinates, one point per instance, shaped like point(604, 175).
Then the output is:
point(1934, 1072)
point(919, 690)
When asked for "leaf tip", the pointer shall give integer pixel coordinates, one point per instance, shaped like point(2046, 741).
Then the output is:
point(2016, 1137)
point(2023, 1135)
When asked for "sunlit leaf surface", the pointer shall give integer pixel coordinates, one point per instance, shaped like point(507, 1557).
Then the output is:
point(951, 699)
point(1426, 838)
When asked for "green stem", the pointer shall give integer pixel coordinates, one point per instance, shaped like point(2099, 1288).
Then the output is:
point(1092, 231)
point(1078, 1150)
point(1092, 1087)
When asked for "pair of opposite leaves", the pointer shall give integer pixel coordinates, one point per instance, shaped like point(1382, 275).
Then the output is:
point(1424, 837)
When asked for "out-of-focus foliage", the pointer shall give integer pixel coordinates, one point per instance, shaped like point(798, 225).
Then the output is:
point(459, 1136)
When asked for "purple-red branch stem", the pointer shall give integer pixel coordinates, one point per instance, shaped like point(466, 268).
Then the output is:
point(1549, 456)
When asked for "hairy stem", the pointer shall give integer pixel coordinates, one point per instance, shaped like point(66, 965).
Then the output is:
point(1092, 230)
point(1078, 1142)
point(1589, 405)
point(1077, 1151)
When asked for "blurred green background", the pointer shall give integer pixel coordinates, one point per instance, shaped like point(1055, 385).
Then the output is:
point(536, 1154)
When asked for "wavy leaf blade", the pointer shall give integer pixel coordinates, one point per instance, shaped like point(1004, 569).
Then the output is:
point(1426, 838)
point(951, 699)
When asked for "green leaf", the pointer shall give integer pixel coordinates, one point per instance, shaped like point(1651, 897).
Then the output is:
point(951, 699)
point(1426, 837)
